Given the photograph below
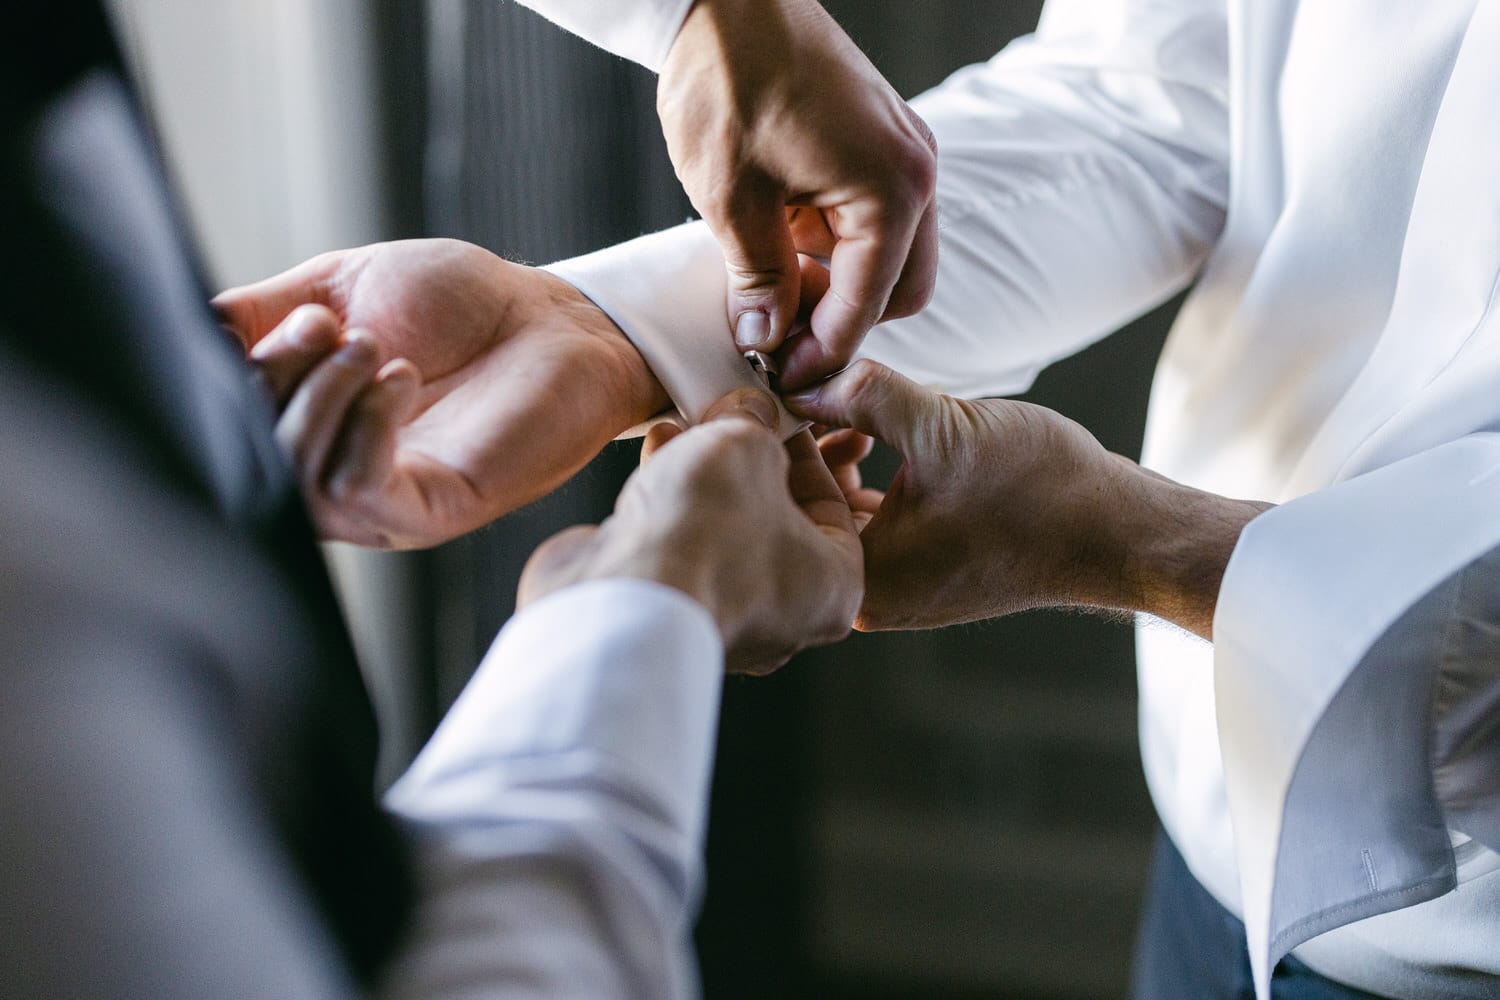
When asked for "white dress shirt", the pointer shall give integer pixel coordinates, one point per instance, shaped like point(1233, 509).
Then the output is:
point(559, 811)
point(1330, 176)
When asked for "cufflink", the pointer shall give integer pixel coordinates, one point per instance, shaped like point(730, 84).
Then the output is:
point(765, 369)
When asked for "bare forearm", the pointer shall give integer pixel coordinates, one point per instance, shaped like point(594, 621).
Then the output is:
point(1003, 506)
point(1173, 544)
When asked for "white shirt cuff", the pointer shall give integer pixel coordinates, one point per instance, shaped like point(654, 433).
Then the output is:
point(626, 671)
point(639, 30)
point(1331, 634)
point(668, 292)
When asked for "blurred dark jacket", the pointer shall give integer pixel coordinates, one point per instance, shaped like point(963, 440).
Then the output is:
point(186, 748)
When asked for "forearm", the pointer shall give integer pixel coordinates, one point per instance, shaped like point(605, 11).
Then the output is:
point(1171, 546)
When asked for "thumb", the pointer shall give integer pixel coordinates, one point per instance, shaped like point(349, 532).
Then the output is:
point(755, 405)
point(253, 311)
point(761, 261)
point(873, 400)
point(555, 564)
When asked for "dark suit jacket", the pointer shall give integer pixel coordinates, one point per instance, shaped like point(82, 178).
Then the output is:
point(187, 805)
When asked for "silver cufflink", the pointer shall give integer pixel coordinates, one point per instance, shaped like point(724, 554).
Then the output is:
point(763, 367)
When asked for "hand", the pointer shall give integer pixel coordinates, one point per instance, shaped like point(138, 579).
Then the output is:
point(755, 532)
point(788, 140)
point(502, 382)
point(1002, 506)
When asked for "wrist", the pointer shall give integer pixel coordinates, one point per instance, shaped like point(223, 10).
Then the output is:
point(738, 46)
point(625, 389)
point(1173, 544)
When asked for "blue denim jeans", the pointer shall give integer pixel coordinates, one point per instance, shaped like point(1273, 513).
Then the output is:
point(1189, 947)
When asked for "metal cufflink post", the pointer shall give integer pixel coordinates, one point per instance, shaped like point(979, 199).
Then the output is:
point(764, 367)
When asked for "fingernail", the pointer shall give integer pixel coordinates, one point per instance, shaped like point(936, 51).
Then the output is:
point(752, 329)
point(804, 397)
point(746, 404)
point(310, 335)
point(759, 407)
point(398, 370)
point(357, 349)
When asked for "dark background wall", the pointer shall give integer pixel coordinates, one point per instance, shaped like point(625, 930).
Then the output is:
point(949, 814)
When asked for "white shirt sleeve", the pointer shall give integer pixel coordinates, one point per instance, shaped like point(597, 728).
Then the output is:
point(558, 812)
point(1357, 679)
point(640, 30)
point(1082, 179)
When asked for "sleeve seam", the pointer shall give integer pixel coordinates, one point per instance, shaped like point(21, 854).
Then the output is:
point(1446, 650)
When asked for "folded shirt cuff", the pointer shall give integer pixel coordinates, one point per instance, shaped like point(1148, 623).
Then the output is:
point(1332, 634)
point(668, 291)
point(640, 30)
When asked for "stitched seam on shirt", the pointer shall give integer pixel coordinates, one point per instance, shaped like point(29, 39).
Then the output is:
point(1489, 308)
point(1322, 918)
point(1371, 879)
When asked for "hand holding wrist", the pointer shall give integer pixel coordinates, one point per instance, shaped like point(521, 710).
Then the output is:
point(755, 532)
point(625, 390)
point(1002, 506)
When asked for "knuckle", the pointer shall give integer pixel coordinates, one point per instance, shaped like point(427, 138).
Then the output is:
point(567, 544)
point(923, 129)
point(765, 277)
point(911, 295)
point(347, 489)
point(312, 312)
point(835, 633)
point(864, 377)
point(836, 625)
point(921, 171)
point(327, 261)
point(911, 181)
point(919, 164)
point(338, 490)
